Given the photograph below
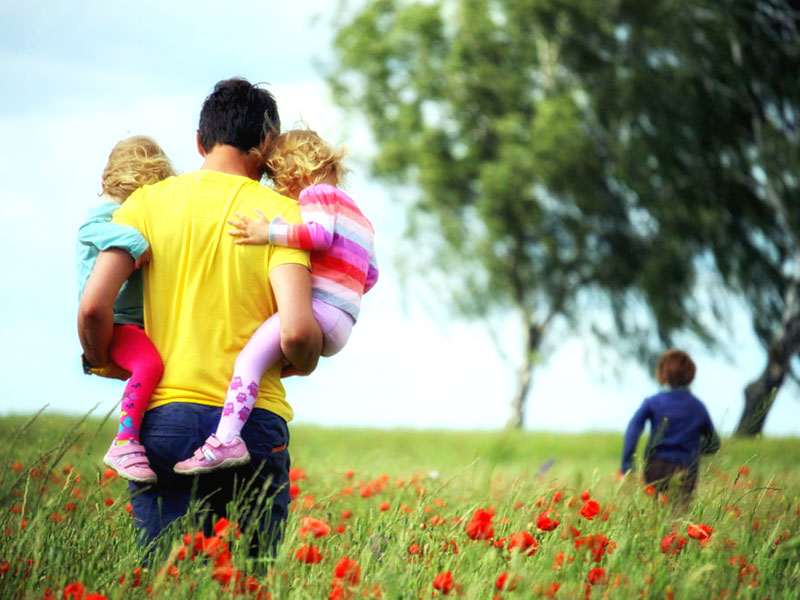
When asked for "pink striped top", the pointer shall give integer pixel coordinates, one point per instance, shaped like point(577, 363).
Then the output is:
point(341, 240)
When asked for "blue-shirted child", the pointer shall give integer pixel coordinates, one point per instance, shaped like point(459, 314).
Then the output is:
point(680, 427)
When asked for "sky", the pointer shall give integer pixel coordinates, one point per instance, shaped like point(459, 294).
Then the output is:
point(79, 76)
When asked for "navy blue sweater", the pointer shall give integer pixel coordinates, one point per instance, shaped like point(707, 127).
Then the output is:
point(680, 429)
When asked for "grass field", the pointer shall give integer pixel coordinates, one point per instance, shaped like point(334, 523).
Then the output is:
point(416, 515)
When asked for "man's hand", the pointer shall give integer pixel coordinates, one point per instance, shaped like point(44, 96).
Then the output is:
point(144, 259)
point(111, 371)
point(249, 231)
point(290, 371)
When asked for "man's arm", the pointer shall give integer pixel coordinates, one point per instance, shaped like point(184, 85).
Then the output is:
point(96, 310)
point(301, 338)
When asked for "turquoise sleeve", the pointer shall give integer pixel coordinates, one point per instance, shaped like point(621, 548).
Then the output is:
point(105, 234)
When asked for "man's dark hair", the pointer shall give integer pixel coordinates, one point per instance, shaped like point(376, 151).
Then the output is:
point(238, 114)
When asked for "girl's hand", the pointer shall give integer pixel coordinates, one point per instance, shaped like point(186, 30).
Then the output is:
point(250, 231)
point(144, 259)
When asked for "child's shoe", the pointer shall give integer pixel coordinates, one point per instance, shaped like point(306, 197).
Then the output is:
point(130, 461)
point(213, 455)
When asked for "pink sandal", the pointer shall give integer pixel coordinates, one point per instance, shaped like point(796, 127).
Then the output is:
point(130, 461)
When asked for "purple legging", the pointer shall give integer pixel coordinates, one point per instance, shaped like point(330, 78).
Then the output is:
point(262, 351)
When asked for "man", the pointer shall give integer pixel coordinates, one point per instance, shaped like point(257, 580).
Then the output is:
point(203, 298)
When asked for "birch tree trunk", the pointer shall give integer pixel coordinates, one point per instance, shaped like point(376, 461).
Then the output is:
point(531, 339)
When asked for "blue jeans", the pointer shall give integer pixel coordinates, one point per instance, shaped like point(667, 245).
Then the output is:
point(172, 432)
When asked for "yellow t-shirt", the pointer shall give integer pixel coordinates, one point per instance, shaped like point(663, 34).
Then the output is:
point(204, 296)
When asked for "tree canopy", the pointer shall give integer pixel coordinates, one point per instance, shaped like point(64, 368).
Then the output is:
point(576, 160)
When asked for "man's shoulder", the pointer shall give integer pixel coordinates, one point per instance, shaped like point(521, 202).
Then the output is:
point(268, 201)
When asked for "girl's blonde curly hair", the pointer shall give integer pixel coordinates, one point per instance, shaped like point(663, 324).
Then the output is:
point(134, 162)
point(299, 158)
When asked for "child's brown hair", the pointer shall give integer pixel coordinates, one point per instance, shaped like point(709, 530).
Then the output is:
point(134, 162)
point(675, 368)
point(299, 158)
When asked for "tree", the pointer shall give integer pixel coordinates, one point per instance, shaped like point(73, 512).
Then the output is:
point(703, 105)
point(472, 102)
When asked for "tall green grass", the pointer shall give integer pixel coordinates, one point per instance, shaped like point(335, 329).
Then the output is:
point(63, 521)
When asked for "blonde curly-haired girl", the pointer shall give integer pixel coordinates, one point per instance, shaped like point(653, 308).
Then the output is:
point(134, 162)
point(343, 268)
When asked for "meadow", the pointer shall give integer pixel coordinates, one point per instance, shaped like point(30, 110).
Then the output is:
point(411, 514)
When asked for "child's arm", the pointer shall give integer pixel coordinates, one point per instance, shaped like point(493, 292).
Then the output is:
point(372, 273)
point(314, 235)
point(105, 235)
point(632, 434)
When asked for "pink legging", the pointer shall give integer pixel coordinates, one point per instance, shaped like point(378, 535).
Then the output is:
point(133, 351)
point(262, 351)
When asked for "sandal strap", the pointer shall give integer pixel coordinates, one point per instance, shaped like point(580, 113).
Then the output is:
point(133, 460)
point(123, 449)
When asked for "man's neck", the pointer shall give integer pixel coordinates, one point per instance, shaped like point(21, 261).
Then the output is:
point(231, 160)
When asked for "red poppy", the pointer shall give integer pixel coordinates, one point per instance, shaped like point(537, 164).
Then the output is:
point(296, 474)
point(348, 570)
point(383, 506)
point(585, 495)
point(215, 546)
point(698, 531)
point(545, 523)
point(308, 554)
point(596, 544)
point(74, 591)
point(223, 528)
point(294, 490)
point(349, 473)
point(444, 582)
point(596, 575)
point(223, 573)
point(672, 544)
point(346, 514)
point(137, 575)
point(339, 592)
point(317, 527)
point(504, 583)
point(522, 541)
point(557, 497)
point(590, 509)
point(480, 526)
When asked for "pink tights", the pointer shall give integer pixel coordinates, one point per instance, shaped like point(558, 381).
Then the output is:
point(132, 350)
